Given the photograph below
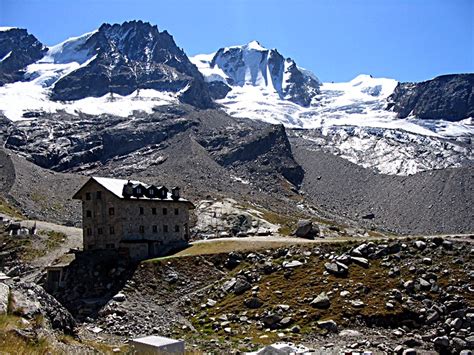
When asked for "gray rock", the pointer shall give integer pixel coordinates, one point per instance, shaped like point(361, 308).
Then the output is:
point(329, 325)
point(321, 301)
point(441, 342)
point(253, 302)
point(421, 245)
point(229, 285)
point(119, 297)
point(470, 341)
point(360, 261)
point(336, 268)
point(241, 286)
point(306, 229)
point(291, 264)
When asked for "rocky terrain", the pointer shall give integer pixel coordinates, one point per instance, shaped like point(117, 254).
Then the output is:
point(380, 296)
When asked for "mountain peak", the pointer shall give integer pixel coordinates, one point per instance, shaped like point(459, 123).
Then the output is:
point(255, 45)
point(254, 65)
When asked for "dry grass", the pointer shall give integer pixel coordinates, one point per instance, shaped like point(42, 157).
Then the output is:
point(371, 285)
point(9, 210)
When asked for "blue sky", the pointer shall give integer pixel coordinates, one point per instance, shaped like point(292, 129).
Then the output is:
point(409, 40)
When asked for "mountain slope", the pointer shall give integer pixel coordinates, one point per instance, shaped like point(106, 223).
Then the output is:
point(128, 57)
point(18, 49)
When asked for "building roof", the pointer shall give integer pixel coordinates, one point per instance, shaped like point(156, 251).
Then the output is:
point(115, 186)
point(156, 341)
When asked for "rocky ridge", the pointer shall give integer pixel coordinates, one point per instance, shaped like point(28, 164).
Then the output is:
point(18, 49)
point(446, 97)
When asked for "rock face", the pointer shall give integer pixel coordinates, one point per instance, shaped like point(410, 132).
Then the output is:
point(254, 65)
point(127, 57)
point(264, 149)
point(18, 49)
point(446, 97)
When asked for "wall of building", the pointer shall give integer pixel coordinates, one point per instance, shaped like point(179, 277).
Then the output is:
point(131, 220)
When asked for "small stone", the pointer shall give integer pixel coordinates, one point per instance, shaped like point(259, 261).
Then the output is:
point(357, 304)
point(410, 351)
point(345, 293)
point(389, 305)
point(119, 297)
point(421, 245)
point(291, 264)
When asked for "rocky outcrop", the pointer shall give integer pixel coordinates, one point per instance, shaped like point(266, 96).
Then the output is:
point(265, 149)
point(18, 49)
point(31, 300)
point(131, 56)
point(446, 97)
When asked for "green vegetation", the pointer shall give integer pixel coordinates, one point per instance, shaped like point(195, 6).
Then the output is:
point(9, 210)
point(54, 239)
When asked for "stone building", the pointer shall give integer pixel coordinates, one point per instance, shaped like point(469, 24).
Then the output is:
point(138, 220)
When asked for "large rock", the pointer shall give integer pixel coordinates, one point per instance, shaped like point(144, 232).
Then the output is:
point(336, 268)
point(321, 301)
point(329, 325)
point(306, 229)
point(241, 285)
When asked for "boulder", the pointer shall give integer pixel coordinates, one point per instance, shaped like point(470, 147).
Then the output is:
point(306, 229)
point(253, 302)
point(241, 285)
point(329, 325)
point(321, 301)
point(336, 268)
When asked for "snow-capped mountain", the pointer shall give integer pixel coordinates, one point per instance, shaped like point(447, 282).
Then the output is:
point(123, 68)
point(252, 65)
point(257, 90)
point(116, 69)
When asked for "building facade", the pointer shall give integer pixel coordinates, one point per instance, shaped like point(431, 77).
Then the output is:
point(138, 220)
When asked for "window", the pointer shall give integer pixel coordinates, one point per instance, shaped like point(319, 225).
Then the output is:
point(165, 228)
point(98, 195)
point(111, 211)
point(100, 231)
point(139, 191)
point(142, 210)
point(88, 195)
point(111, 230)
point(88, 213)
point(176, 228)
point(176, 211)
point(155, 229)
point(110, 246)
point(141, 229)
point(165, 211)
point(89, 231)
point(153, 210)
